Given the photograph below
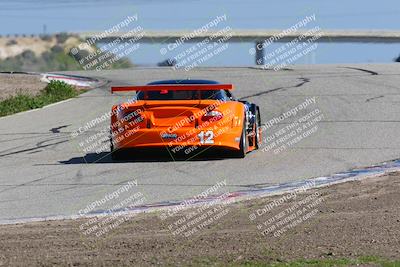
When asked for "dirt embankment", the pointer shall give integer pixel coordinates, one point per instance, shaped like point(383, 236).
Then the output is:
point(349, 220)
point(12, 84)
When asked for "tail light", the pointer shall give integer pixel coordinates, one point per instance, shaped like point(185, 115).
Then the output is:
point(212, 116)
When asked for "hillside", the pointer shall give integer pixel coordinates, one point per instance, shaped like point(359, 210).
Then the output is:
point(46, 53)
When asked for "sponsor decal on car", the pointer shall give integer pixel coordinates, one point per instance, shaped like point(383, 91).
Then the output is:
point(169, 136)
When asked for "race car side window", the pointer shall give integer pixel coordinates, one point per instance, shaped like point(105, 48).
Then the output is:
point(139, 95)
point(229, 95)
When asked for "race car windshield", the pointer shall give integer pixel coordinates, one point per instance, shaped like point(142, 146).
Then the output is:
point(182, 95)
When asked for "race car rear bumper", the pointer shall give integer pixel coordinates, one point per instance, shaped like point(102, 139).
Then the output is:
point(179, 140)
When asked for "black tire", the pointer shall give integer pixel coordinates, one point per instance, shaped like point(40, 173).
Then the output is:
point(115, 154)
point(257, 128)
point(244, 143)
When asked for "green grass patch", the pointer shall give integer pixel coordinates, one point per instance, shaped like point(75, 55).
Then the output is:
point(55, 91)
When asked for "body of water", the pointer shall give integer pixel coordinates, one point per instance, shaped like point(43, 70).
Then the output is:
point(50, 16)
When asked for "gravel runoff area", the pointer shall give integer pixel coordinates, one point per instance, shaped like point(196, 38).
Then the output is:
point(12, 84)
point(344, 221)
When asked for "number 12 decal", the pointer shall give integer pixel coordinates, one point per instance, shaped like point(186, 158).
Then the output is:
point(206, 137)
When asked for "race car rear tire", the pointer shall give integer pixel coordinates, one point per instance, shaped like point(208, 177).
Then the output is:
point(115, 154)
point(244, 143)
point(257, 129)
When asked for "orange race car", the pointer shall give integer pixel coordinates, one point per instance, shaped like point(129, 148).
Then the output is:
point(183, 116)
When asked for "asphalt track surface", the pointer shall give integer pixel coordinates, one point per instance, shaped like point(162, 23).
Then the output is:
point(44, 172)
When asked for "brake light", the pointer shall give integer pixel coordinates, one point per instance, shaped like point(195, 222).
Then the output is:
point(212, 116)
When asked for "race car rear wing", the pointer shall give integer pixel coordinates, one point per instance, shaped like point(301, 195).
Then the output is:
point(174, 87)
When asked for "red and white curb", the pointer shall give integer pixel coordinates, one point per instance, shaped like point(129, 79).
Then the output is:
point(341, 177)
point(79, 81)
